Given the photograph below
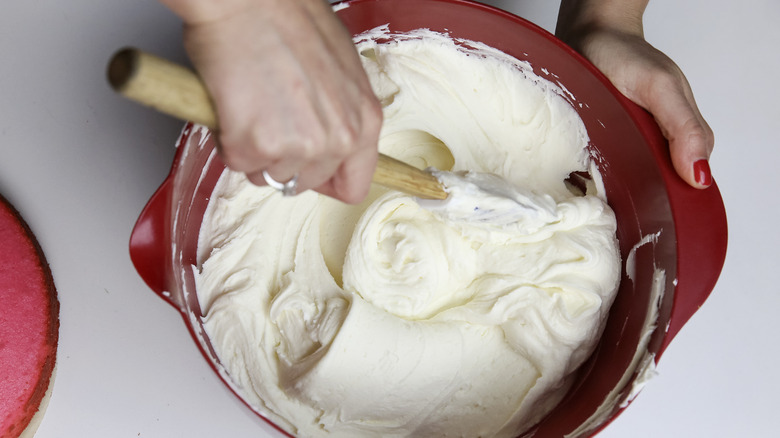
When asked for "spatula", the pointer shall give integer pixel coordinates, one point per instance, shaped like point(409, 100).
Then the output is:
point(178, 91)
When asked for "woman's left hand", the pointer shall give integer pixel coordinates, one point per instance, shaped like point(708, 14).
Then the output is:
point(615, 44)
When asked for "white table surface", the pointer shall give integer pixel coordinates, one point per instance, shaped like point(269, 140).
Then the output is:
point(80, 163)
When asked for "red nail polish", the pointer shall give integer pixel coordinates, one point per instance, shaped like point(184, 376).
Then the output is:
point(702, 173)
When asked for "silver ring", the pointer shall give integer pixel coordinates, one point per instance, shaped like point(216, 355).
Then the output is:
point(289, 188)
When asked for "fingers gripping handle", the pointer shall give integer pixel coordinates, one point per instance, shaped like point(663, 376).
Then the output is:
point(178, 91)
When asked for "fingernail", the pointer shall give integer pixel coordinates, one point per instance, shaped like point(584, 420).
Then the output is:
point(702, 173)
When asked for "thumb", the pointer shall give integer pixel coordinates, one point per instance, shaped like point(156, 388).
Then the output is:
point(669, 98)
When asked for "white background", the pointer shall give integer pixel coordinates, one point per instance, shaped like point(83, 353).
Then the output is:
point(80, 163)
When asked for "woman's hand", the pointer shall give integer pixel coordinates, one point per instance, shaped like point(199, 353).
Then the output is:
point(289, 89)
point(609, 33)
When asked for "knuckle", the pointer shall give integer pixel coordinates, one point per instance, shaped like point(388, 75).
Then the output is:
point(307, 148)
point(263, 143)
point(346, 139)
point(700, 136)
point(664, 79)
point(665, 75)
point(308, 144)
point(358, 129)
point(249, 151)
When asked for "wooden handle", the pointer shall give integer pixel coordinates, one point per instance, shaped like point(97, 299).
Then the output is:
point(167, 87)
point(178, 91)
point(406, 178)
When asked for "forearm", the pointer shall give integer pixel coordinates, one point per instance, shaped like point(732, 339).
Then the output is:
point(579, 16)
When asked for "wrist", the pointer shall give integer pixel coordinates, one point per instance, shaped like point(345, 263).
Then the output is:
point(577, 18)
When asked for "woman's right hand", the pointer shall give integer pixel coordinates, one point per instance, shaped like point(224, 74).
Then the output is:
point(291, 94)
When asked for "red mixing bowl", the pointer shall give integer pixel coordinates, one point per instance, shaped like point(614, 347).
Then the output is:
point(672, 237)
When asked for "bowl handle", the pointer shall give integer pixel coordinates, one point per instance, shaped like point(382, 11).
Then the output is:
point(702, 238)
point(700, 227)
point(150, 245)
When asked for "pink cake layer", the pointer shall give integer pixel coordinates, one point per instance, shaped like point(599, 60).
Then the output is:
point(29, 323)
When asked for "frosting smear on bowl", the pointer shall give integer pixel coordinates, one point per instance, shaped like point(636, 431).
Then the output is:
point(392, 318)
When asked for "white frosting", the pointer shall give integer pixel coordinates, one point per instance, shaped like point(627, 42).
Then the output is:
point(395, 319)
point(492, 201)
